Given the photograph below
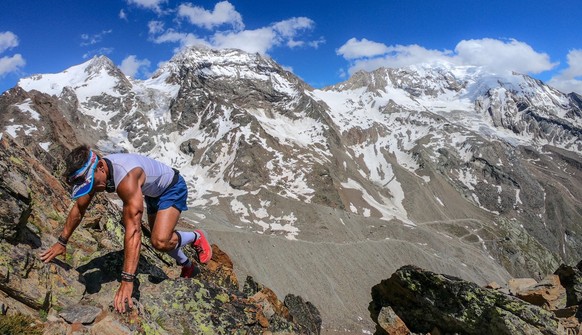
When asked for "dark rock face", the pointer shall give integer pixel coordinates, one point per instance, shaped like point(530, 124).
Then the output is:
point(304, 313)
point(571, 279)
point(425, 301)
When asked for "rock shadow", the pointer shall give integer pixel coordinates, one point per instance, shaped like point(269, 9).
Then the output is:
point(107, 268)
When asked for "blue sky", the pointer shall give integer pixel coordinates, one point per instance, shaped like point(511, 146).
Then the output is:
point(323, 42)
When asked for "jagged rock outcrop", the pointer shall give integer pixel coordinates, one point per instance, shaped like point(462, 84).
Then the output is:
point(446, 304)
point(571, 280)
point(77, 294)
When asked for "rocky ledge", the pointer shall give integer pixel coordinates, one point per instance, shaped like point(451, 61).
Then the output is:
point(416, 301)
point(75, 294)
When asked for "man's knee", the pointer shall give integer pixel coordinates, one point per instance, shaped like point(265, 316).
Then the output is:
point(161, 244)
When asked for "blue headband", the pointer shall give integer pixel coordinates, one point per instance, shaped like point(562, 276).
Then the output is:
point(87, 171)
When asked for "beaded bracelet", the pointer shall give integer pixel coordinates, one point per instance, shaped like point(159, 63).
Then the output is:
point(128, 277)
point(62, 241)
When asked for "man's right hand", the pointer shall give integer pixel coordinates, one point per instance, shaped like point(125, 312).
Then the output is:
point(49, 254)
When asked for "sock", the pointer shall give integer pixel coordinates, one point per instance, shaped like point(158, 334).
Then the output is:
point(180, 257)
point(186, 237)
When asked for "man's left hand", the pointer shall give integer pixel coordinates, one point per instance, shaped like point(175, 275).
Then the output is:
point(123, 295)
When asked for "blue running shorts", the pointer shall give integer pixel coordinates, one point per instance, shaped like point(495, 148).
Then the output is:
point(174, 196)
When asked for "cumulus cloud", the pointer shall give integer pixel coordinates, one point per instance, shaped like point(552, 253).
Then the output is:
point(183, 39)
point(290, 28)
point(224, 28)
point(14, 63)
point(495, 55)
point(400, 56)
point(259, 40)
point(133, 66)
point(8, 40)
point(354, 49)
point(570, 79)
point(502, 56)
point(148, 4)
point(11, 64)
point(223, 13)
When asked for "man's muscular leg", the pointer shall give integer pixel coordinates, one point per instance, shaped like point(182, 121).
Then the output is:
point(163, 236)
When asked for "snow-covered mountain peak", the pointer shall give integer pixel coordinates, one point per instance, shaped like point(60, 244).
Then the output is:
point(94, 77)
point(226, 63)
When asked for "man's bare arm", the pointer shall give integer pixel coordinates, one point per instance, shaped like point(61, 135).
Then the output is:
point(129, 190)
point(73, 219)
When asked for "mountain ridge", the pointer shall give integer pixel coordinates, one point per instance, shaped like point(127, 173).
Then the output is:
point(490, 162)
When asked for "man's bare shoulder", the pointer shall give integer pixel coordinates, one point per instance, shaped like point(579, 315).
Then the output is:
point(131, 183)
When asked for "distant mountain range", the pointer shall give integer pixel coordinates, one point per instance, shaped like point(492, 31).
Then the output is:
point(485, 164)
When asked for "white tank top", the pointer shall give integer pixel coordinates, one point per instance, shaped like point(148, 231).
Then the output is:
point(158, 175)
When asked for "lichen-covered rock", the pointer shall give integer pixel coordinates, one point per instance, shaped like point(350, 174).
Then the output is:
point(425, 300)
point(303, 312)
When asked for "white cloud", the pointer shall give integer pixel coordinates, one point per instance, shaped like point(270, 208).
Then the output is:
point(289, 28)
point(294, 44)
point(286, 32)
point(11, 64)
point(495, 55)
point(100, 51)
point(399, 56)
point(570, 80)
point(259, 40)
point(353, 49)
point(122, 15)
point(574, 63)
point(131, 66)
point(315, 44)
point(500, 56)
point(148, 4)
point(94, 39)
point(184, 39)
point(8, 40)
point(223, 13)
point(155, 27)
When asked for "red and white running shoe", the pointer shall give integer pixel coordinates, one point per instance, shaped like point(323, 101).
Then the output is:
point(202, 247)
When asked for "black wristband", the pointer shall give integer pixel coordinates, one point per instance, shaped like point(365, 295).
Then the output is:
point(62, 241)
point(128, 277)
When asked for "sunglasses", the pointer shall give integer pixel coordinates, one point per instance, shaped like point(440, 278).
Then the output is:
point(78, 179)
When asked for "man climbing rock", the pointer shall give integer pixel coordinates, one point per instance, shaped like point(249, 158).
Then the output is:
point(133, 177)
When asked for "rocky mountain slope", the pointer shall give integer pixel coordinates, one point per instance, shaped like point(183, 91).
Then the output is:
point(452, 169)
point(75, 295)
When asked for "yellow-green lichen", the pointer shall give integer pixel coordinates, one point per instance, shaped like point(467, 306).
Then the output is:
point(16, 160)
point(223, 297)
